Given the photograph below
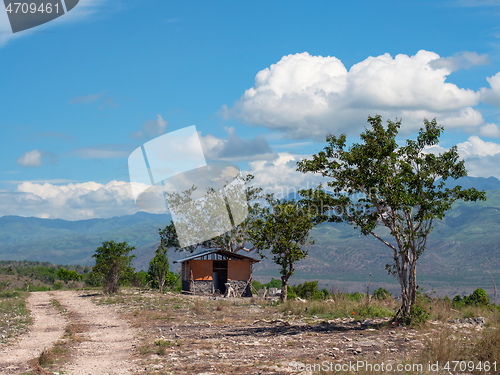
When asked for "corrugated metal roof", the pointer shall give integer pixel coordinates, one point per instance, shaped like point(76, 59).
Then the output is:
point(223, 252)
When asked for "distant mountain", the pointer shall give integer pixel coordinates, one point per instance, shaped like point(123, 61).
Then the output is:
point(480, 183)
point(459, 250)
point(74, 242)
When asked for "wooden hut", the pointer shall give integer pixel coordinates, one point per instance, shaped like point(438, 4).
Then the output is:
point(208, 272)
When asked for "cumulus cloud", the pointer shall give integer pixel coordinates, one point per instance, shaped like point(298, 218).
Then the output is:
point(460, 60)
point(234, 148)
point(151, 128)
point(280, 176)
point(71, 201)
point(475, 146)
point(35, 158)
point(491, 95)
point(309, 96)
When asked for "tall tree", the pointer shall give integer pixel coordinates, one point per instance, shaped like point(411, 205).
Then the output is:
point(283, 228)
point(112, 263)
point(159, 267)
point(234, 240)
point(401, 188)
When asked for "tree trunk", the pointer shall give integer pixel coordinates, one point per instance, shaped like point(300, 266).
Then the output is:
point(161, 282)
point(284, 288)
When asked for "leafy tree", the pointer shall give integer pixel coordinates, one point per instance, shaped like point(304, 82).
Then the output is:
point(159, 267)
point(67, 275)
point(401, 188)
point(283, 229)
point(234, 240)
point(113, 262)
point(478, 297)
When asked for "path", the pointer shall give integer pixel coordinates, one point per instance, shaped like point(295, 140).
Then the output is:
point(108, 344)
point(48, 326)
point(109, 339)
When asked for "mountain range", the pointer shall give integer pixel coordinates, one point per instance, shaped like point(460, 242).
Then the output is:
point(460, 250)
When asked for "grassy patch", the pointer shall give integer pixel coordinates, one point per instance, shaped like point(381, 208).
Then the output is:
point(14, 315)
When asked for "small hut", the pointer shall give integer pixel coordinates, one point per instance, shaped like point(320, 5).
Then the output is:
point(208, 272)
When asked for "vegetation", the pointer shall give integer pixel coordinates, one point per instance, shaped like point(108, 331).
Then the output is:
point(159, 273)
point(113, 263)
point(284, 230)
point(67, 275)
point(402, 188)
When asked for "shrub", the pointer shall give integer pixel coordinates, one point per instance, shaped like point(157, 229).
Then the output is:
point(478, 297)
point(257, 285)
point(381, 294)
point(58, 285)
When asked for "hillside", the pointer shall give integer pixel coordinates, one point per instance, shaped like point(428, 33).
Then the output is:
point(458, 252)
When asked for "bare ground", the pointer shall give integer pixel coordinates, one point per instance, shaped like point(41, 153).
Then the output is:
point(48, 327)
point(138, 332)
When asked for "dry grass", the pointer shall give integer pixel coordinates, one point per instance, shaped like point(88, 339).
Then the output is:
point(14, 315)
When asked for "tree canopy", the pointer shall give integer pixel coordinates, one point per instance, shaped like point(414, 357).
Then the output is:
point(113, 262)
point(399, 187)
point(283, 228)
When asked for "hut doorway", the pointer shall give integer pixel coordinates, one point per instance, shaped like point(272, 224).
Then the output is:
point(219, 276)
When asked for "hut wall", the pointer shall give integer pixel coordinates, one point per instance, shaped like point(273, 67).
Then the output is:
point(201, 269)
point(238, 270)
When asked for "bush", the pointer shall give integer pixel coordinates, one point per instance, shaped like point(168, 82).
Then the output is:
point(257, 285)
point(274, 283)
point(308, 290)
point(58, 285)
point(478, 297)
point(381, 294)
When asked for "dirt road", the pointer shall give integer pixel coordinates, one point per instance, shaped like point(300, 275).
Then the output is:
point(48, 326)
point(108, 341)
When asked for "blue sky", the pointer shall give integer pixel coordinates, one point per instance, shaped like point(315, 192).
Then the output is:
point(263, 82)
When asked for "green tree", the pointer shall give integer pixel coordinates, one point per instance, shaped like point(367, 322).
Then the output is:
point(67, 275)
point(113, 262)
point(159, 267)
point(284, 230)
point(478, 297)
point(401, 188)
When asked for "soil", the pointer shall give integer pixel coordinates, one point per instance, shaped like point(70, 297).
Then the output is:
point(140, 332)
point(48, 327)
point(107, 344)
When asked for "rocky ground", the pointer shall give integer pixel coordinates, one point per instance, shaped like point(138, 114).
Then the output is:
point(195, 335)
point(142, 332)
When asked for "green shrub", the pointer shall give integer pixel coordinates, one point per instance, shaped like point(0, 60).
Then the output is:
point(381, 294)
point(257, 285)
point(58, 285)
point(274, 283)
point(478, 297)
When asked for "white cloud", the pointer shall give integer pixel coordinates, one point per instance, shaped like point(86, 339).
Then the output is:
point(489, 130)
point(475, 146)
point(491, 95)
point(35, 158)
point(152, 128)
point(234, 148)
point(280, 176)
point(309, 96)
point(71, 201)
point(460, 60)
